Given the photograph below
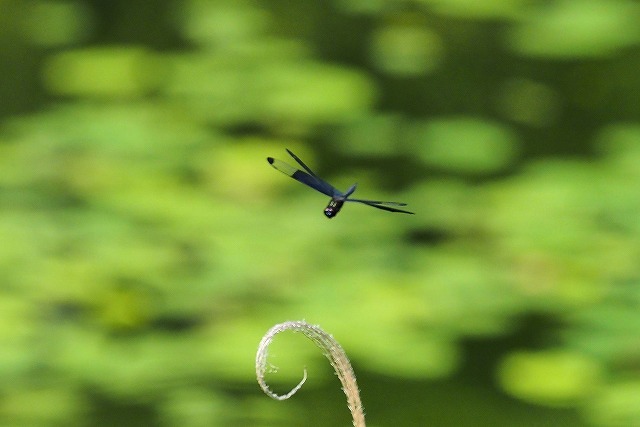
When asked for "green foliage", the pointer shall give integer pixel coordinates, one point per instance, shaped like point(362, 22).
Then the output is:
point(465, 145)
point(146, 244)
point(579, 29)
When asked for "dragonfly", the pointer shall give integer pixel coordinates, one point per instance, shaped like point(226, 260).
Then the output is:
point(338, 198)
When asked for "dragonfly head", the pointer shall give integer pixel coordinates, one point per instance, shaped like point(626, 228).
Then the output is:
point(333, 208)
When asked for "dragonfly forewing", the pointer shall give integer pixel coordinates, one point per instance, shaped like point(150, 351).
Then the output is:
point(305, 178)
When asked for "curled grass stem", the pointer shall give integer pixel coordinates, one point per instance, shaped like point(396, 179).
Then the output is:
point(332, 351)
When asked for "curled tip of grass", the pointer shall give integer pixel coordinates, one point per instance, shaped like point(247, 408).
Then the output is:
point(332, 351)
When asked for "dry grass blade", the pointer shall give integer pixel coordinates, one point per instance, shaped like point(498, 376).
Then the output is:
point(331, 349)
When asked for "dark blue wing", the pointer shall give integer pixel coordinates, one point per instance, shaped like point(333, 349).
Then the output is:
point(309, 178)
point(386, 206)
point(301, 163)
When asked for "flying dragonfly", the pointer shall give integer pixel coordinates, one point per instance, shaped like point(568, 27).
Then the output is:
point(338, 198)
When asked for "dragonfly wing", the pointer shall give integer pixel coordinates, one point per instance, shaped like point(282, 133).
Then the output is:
point(301, 163)
point(376, 202)
point(304, 177)
point(382, 205)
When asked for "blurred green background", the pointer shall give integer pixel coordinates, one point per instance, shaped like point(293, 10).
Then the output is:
point(146, 245)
